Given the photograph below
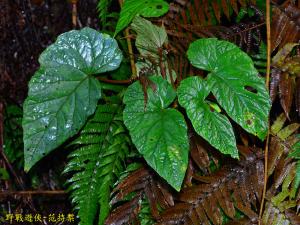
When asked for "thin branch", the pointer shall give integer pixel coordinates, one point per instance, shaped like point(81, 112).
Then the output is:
point(74, 13)
point(268, 24)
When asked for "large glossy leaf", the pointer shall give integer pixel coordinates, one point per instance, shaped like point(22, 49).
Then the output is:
point(234, 82)
point(59, 102)
point(159, 133)
point(62, 93)
point(210, 124)
point(87, 50)
point(146, 8)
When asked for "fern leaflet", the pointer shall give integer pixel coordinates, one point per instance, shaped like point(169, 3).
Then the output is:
point(107, 19)
point(96, 162)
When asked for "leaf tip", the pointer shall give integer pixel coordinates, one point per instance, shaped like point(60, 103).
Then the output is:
point(178, 188)
point(27, 167)
point(235, 156)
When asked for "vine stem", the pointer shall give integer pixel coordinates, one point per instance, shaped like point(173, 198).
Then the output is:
point(130, 51)
point(268, 25)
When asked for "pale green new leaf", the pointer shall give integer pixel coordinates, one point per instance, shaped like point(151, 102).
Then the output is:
point(210, 124)
point(62, 93)
point(145, 8)
point(159, 133)
point(234, 82)
point(149, 37)
point(148, 41)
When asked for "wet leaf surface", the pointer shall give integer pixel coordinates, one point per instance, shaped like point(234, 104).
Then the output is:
point(62, 93)
point(145, 8)
point(210, 124)
point(234, 82)
point(159, 133)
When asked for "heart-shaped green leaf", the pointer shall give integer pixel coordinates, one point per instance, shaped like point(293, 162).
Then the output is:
point(159, 133)
point(146, 8)
point(210, 124)
point(234, 82)
point(62, 93)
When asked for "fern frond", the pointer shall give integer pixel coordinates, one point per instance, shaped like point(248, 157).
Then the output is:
point(285, 25)
point(202, 157)
point(273, 216)
point(260, 59)
point(145, 216)
point(190, 20)
point(13, 135)
point(143, 183)
point(282, 196)
point(135, 211)
point(284, 77)
point(96, 162)
point(281, 142)
point(202, 12)
point(230, 189)
point(108, 19)
point(127, 213)
point(244, 221)
point(102, 8)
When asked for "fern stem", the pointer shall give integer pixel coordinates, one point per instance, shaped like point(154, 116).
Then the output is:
point(130, 51)
point(268, 25)
point(265, 177)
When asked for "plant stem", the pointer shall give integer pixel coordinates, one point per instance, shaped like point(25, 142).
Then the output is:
point(74, 13)
point(268, 25)
point(130, 51)
point(129, 81)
